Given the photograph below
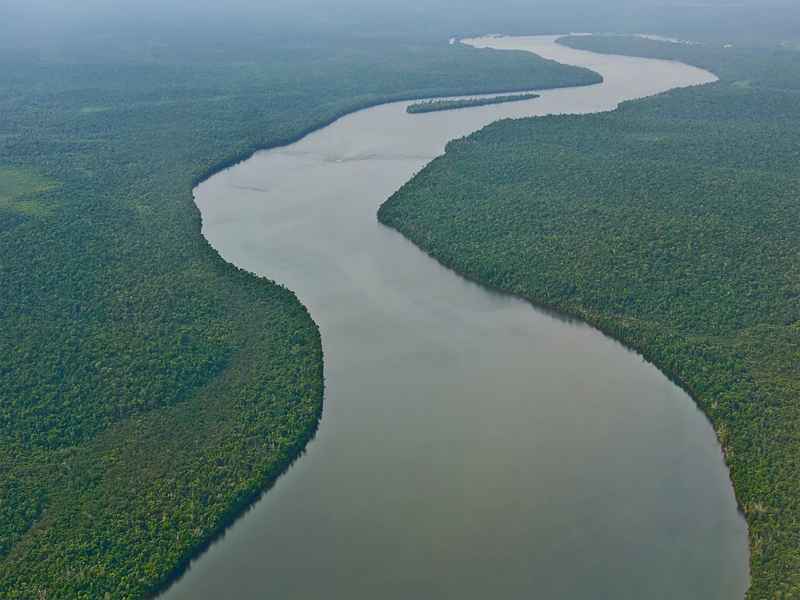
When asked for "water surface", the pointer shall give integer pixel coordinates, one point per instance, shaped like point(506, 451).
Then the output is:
point(472, 445)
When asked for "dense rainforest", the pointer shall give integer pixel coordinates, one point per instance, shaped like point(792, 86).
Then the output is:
point(436, 105)
point(671, 222)
point(148, 389)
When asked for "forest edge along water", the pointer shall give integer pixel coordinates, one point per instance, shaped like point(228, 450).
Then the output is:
point(472, 444)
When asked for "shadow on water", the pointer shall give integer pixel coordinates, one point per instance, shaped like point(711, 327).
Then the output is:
point(564, 316)
point(219, 535)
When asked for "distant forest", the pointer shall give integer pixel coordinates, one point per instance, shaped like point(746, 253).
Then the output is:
point(671, 221)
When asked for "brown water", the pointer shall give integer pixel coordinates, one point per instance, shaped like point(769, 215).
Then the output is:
point(472, 445)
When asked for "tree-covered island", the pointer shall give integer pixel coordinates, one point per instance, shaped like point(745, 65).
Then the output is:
point(436, 105)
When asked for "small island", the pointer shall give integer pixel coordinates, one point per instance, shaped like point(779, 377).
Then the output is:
point(434, 105)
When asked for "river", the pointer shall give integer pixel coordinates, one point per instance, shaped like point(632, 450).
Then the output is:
point(472, 445)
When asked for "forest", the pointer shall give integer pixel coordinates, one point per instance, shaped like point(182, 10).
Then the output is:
point(148, 389)
point(670, 222)
point(435, 105)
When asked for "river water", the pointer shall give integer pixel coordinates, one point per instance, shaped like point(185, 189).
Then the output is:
point(472, 445)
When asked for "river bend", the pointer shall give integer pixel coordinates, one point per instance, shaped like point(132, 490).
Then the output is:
point(472, 445)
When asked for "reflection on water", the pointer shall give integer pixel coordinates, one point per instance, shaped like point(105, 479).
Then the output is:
point(472, 445)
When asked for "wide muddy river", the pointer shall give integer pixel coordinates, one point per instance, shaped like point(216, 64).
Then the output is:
point(472, 445)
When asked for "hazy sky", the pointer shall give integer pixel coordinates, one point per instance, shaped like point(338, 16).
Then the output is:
point(36, 22)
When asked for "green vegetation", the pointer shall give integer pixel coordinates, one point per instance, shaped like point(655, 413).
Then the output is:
point(148, 390)
point(436, 105)
point(673, 222)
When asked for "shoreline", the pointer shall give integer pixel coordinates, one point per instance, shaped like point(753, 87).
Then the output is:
point(649, 358)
